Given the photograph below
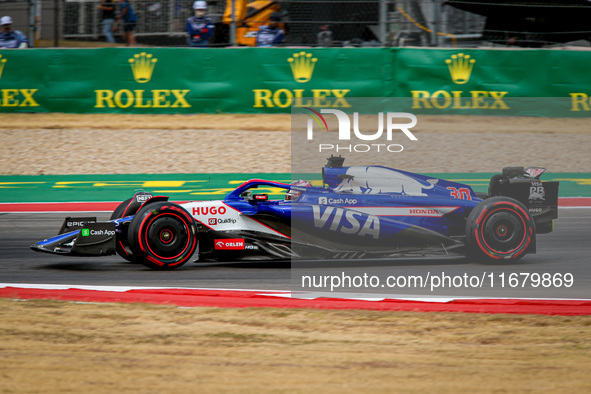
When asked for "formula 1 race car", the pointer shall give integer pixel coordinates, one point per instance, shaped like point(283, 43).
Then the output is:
point(360, 212)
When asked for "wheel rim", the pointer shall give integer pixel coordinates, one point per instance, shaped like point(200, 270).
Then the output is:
point(503, 231)
point(166, 236)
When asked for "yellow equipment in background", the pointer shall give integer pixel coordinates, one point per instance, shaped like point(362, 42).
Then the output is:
point(249, 17)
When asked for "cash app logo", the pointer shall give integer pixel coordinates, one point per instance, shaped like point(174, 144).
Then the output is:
point(85, 232)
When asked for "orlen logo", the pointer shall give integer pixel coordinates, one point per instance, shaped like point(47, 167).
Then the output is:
point(229, 244)
point(345, 131)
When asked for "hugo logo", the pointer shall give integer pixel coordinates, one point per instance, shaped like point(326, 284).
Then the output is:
point(209, 210)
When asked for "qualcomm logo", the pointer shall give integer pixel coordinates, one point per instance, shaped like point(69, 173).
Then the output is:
point(302, 66)
point(345, 130)
point(460, 68)
point(142, 66)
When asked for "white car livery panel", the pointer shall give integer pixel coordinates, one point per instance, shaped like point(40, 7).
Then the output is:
point(219, 216)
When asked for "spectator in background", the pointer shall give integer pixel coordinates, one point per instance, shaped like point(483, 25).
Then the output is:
point(199, 27)
point(271, 35)
point(129, 21)
point(107, 8)
point(324, 38)
point(11, 38)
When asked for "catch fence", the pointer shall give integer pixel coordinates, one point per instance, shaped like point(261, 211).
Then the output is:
point(326, 23)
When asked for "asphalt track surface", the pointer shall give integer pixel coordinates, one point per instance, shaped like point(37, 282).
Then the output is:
point(566, 250)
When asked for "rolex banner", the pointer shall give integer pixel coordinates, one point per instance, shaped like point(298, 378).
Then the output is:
point(267, 80)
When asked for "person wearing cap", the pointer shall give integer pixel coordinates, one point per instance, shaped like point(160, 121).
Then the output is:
point(271, 35)
point(199, 27)
point(129, 21)
point(11, 38)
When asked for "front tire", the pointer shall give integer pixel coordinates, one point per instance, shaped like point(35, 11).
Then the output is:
point(162, 236)
point(499, 228)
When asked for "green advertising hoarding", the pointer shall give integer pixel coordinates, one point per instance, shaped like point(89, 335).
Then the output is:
point(495, 81)
point(266, 80)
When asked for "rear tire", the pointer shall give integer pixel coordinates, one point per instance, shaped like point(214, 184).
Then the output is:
point(499, 228)
point(162, 236)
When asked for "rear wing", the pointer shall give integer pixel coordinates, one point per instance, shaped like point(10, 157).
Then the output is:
point(524, 185)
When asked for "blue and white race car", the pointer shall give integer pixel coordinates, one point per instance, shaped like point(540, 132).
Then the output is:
point(360, 212)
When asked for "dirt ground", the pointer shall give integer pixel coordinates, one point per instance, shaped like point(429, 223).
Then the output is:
point(63, 347)
point(129, 144)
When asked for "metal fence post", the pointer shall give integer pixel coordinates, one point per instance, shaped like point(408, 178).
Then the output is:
point(34, 22)
point(383, 22)
point(233, 24)
point(436, 24)
point(96, 27)
point(56, 18)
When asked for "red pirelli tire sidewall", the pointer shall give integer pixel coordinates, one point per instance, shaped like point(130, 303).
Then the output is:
point(163, 236)
point(499, 229)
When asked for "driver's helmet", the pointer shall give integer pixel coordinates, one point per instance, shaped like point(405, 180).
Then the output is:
point(293, 195)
